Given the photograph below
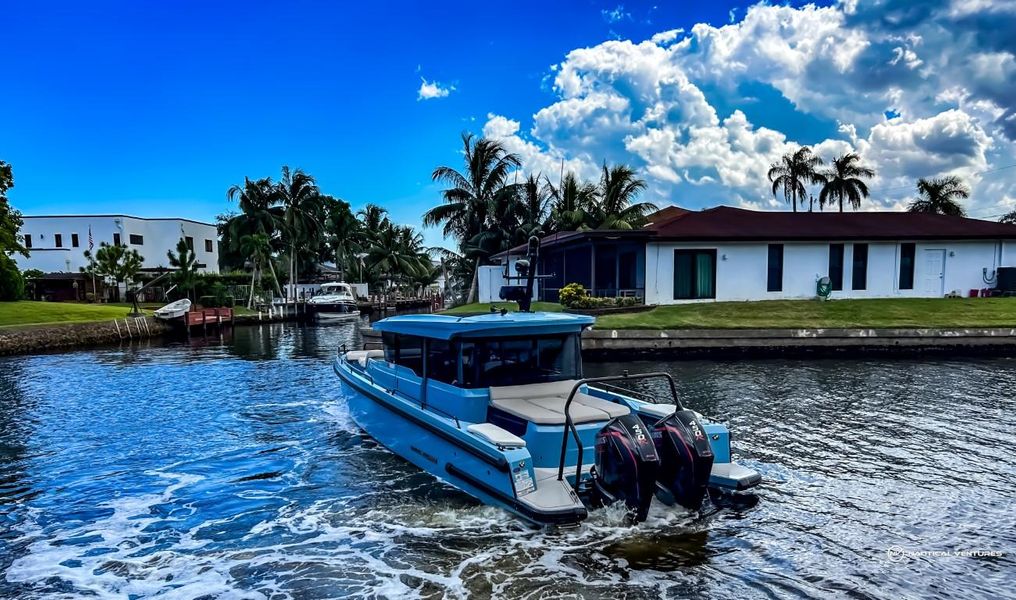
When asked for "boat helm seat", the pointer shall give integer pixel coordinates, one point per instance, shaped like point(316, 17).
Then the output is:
point(543, 403)
point(361, 356)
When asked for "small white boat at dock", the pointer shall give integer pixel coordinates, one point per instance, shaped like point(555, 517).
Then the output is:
point(173, 310)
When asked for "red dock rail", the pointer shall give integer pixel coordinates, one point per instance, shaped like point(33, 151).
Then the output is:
point(208, 316)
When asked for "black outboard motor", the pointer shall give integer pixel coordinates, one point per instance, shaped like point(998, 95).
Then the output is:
point(686, 459)
point(626, 466)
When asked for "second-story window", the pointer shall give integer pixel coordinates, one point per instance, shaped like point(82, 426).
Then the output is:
point(190, 243)
point(74, 240)
point(28, 241)
point(208, 246)
point(116, 239)
point(137, 240)
point(57, 240)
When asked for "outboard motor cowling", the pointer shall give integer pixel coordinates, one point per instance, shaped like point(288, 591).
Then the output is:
point(626, 465)
point(686, 459)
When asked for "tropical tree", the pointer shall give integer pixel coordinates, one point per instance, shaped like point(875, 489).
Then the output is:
point(1008, 218)
point(844, 181)
point(397, 254)
point(617, 208)
point(259, 249)
point(301, 218)
point(343, 233)
point(186, 264)
point(571, 203)
point(940, 196)
point(531, 208)
point(117, 262)
point(795, 171)
point(468, 201)
point(10, 219)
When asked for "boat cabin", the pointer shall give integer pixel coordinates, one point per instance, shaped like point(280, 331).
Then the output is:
point(514, 371)
point(343, 290)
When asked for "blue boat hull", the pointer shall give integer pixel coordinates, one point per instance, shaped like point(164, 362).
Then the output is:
point(419, 437)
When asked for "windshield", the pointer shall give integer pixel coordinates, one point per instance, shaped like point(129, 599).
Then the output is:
point(518, 361)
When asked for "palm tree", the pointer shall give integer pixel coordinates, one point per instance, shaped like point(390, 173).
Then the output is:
point(793, 172)
point(940, 196)
point(1008, 218)
point(258, 249)
point(185, 262)
point(531, 208)
point(617, 209)
point(844, 181)
point(396, 254)
point(466, 212)
point(343, 233)
point(571, 204)
point(301, 216)
point(260, 215)
point(116, 262)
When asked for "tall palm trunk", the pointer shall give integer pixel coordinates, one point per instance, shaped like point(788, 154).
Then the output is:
point(250, 297)
point(474, 287)
point(275, 278)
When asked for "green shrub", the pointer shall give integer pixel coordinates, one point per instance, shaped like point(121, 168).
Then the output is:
point(12, 284)
point(572, 295)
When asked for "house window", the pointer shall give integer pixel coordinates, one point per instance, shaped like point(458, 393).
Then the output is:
point(907, 253)
point(694, 274)
point(836, 266)
point(28, 241)
point(208, 246)
point(74, 240)
point(859, 281)
point(190, 243)
point(137, 240)
point(775, 279)
point(57, 240)
point(116, 239)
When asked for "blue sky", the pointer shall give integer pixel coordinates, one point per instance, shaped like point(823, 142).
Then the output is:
point(155, 109)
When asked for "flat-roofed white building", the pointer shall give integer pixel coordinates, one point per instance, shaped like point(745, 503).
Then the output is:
point(58, 243)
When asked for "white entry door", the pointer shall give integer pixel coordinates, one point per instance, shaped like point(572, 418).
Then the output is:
point(933, 273)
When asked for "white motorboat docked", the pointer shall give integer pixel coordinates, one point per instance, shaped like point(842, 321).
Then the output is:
point(336, 301)
point(173, 310)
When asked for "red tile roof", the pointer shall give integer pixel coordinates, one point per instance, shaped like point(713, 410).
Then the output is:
point(725, 223)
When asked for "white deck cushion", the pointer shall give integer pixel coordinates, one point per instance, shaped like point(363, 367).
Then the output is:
point(495, 435)
point(543, 403)
point(361, 356)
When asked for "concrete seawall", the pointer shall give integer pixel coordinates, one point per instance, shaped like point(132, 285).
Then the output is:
point(42, 338)
point(770, 342)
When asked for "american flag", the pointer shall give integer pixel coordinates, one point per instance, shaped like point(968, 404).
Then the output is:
point(91, 242)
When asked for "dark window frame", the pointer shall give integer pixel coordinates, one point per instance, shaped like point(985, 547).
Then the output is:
point(28, 240)
point(136, 239)
point(58, 240)
point(208, 246)
point(836, 270)
point(859, 267)
point(117, 241)
point(906, 281)
point(190, 242)
point(75, 242)
point(774, 268)
point(694, 252)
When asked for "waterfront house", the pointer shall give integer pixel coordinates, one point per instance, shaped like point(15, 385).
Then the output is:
point(57, 244)
point(727, 253)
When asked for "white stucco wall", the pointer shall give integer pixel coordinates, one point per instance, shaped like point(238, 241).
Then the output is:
point(741, 269)
point(159, 236)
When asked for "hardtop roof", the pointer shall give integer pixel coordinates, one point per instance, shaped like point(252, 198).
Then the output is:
point(446, 327)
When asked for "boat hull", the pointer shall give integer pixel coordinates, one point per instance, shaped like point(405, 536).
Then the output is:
point(415, 436)
point(343, 310)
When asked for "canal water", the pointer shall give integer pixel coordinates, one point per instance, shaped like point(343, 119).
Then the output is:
point(230, 469)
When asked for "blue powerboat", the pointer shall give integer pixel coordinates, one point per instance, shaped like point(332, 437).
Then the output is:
point(496, 405)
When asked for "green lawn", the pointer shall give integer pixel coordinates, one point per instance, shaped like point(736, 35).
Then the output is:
point(37, 313)
point(894, 312)
point(484, 307)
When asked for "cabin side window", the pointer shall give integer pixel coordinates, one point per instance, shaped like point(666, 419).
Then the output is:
point(518, 361)
point(404, 350)
point(441, 361)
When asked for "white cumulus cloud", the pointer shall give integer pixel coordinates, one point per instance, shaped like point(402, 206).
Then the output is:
point(432, 89)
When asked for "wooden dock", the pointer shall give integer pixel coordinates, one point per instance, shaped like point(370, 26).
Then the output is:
point(205, 317)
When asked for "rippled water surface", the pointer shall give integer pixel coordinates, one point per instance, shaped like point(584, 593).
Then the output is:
point(230, 469)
